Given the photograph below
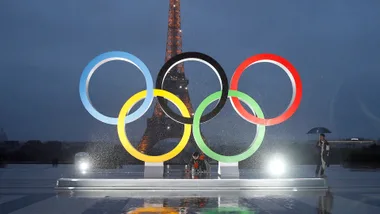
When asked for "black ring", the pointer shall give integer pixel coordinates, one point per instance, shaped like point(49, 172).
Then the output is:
point(186, 55)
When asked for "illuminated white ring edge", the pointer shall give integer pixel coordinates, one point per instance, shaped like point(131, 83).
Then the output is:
point(191, 59)
point(286, 71)
point(95, 64)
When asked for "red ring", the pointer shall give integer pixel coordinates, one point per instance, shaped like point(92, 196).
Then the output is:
point(297, 90)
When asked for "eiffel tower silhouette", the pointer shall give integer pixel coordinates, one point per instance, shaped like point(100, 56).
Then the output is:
point(159, 126)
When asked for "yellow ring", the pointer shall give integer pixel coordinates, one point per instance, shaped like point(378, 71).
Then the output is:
point(123, 136)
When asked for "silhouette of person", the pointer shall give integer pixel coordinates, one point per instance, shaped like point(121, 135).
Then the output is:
point(54, 162)
point(323, 148)
point(197, 164)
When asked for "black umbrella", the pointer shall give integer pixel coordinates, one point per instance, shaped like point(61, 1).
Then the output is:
point(319, 130)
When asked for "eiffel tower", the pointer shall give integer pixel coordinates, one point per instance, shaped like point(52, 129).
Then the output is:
point(159, 126)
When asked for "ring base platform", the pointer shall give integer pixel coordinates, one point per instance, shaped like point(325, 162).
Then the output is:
point(292, 184)
point(190, 193)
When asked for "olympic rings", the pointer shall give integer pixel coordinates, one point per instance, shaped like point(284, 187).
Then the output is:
point(260, 132)
point(124, 139)
point(293, 76)
point(95, 64)
point(203, 58)
point(186, 119)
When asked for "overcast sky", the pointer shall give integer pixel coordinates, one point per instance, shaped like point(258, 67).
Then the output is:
point(44, 46)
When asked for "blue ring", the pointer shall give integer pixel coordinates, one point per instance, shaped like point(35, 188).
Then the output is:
point(89, 71)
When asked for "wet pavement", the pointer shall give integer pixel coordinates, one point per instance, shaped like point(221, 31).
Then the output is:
point(30, 189)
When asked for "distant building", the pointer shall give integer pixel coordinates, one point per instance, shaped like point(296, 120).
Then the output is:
point(3, 135)
point(352, 142)
point(9, 145)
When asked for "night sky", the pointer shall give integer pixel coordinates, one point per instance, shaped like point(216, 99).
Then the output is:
point(45, 45)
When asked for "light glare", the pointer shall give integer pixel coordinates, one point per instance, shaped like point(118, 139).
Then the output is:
point(83, 166)
point(276, 166)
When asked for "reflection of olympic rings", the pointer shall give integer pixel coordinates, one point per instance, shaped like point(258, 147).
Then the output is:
point(241, 210)
point(186, 119)
point(166, 210)
point(172, 210)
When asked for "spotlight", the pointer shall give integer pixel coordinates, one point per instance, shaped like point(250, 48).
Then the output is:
point(82, 162)
point(276, 166)
point(84, 166)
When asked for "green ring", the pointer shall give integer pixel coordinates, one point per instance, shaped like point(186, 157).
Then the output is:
point(241, 210)
point(256, 143)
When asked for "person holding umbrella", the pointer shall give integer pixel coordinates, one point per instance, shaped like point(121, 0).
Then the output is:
point(323, 148)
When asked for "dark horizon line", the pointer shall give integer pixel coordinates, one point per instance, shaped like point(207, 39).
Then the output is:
point(272, 141)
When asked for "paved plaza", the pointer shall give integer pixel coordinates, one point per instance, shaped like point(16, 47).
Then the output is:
point(30, 189)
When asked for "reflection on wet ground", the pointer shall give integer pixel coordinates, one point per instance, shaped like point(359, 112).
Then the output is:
point(30, 190)
point(259, 202)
